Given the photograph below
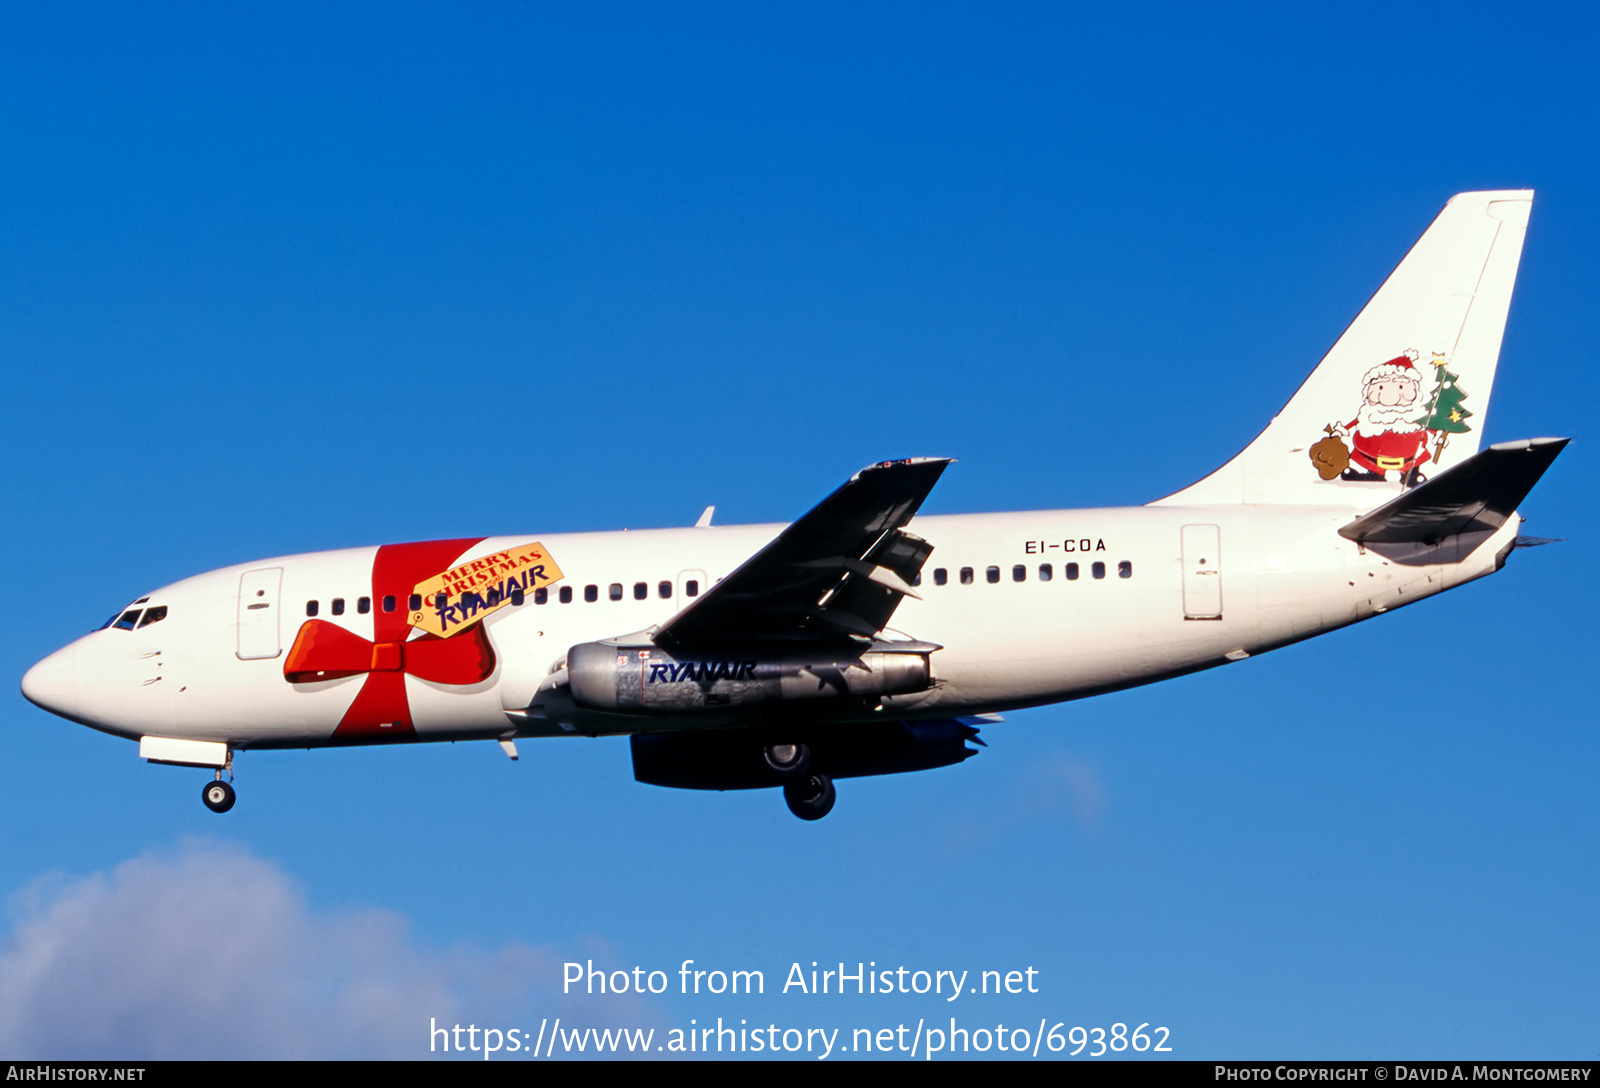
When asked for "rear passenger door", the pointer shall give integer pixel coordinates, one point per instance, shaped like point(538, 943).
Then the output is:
point(1202, 572)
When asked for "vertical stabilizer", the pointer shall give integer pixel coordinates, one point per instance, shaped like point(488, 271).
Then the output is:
point(1404, 392)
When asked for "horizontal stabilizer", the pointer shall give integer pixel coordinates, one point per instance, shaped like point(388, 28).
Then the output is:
point(1477, 495)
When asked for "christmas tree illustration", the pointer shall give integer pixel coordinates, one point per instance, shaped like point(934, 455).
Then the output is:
point(1445, 415)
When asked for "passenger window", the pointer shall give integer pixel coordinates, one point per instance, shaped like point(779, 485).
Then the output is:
point(338, 606)
point(615, 593)
point(541, 595)
point(916, 579)
point(641, 591)
point(664, 590)
point(132, 615)
point(517, 596)
point(1045, 572)
point(415, 602)
point(154, 615)
point(591, 593)
point(311, 608)
point(1072, 572)
point(1125, 569)
point(388, 603)
point(1019, 573)
point(966, 576)
point(566, 594)
point(1099, 570)
point(440, 600)
point(940, 576)
point(993, 574)
point(363, 605)
point(692, 588)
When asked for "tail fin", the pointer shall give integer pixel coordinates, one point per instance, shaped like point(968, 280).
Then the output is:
point(1405, 391)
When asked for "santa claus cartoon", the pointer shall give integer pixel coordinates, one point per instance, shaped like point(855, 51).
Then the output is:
point(1387, 438)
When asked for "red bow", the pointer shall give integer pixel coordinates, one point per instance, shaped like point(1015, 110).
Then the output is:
point(326, 651)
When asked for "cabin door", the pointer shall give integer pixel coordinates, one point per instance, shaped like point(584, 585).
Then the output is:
point(1202, 572)
point(258, 614)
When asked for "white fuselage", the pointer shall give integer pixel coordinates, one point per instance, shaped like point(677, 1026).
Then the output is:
point(1058, 604)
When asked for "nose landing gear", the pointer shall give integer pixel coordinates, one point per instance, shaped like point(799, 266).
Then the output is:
point(218, 795)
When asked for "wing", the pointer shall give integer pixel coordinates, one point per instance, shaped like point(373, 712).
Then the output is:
point(840, 571)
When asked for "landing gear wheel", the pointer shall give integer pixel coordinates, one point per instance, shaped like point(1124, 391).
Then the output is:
point(218, 796)
point(789, 760)
point(811, 797)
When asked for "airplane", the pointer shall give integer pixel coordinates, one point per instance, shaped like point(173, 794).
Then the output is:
point(862, 639)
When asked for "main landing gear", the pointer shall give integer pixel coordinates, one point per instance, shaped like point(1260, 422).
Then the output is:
point(810, 796)
point(789, 760)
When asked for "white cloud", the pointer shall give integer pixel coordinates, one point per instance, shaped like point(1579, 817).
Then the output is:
point(1078, 785)
point(1046, 790)
point(211, 952)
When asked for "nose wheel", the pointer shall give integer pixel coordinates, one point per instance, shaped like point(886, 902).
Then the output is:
point(218, 796)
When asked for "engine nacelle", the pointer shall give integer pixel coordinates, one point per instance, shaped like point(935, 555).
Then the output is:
point(648, 680)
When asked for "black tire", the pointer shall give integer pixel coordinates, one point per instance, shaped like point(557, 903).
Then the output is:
point(789, 760)
point(218, 796)
point(810, 798)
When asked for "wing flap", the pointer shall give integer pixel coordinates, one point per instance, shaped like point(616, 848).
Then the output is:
point(1478, 495)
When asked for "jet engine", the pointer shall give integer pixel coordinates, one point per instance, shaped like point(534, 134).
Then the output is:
point(622, 679)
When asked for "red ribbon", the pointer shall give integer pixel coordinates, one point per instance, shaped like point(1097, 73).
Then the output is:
point(326, 651)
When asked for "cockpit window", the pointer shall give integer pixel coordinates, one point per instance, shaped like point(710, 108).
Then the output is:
point(127, 621)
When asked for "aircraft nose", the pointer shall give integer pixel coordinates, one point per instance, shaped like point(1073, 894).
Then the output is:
point(52, 683)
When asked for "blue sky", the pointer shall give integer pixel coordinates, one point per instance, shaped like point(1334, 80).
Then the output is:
point(305, 277)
